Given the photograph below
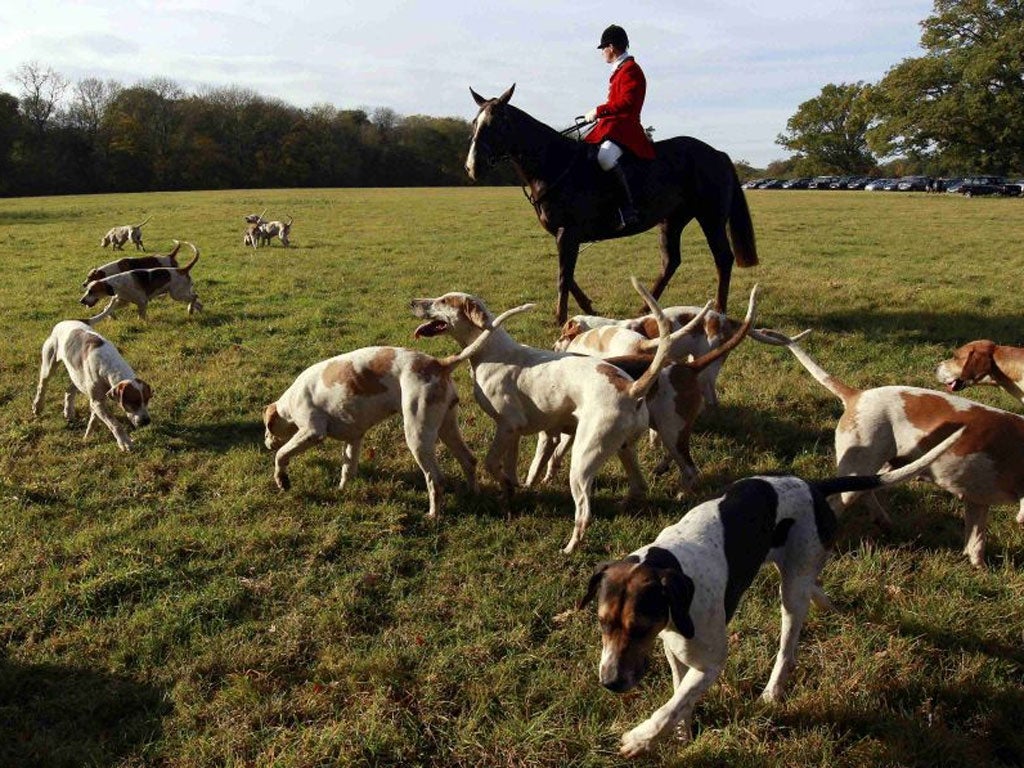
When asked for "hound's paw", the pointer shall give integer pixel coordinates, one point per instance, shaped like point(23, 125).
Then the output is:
point(772, 695)
point(635, 743)
point(283, 481)
point(125, 446)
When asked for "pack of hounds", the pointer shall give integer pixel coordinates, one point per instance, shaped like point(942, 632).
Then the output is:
point(606, 383)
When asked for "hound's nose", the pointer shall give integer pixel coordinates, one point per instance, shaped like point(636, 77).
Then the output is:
point(618, 685)
point(144, 421)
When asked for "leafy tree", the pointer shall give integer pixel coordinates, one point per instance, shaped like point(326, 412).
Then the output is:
point(830, 131)
point(10, 128)
point(963, 101)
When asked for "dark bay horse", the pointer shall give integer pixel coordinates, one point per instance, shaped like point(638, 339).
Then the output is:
point(577, 202)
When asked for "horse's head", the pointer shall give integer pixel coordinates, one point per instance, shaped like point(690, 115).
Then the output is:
point(491, 131)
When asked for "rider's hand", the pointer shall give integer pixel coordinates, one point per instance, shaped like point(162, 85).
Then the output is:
point(591, 116)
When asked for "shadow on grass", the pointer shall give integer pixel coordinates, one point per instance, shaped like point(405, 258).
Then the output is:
point(913, 328)
point(53, 715)
point(948, 726)
point(928, 527)
point(217, 436)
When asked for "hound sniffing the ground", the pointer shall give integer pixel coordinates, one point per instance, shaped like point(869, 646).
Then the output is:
point(118, 236)
point(528, 390)
point(129, 263)
point(889, 425)
point(140, 285)
point(686, 585)
point(98, 371)
point(345, 396)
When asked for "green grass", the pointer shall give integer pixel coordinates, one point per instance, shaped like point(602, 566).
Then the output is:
point(169, 607)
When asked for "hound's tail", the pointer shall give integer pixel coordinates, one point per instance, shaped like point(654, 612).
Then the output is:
point(290, 220)
point(137, 226)
point(731, 343)
point(640, 387)
point(184, 270)
point(174, 253)
point(651, 345)
point(481, 340)
point(831, 383)
point(871, 482)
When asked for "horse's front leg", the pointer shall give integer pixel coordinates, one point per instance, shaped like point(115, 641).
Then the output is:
point(568, 251)
point(671, 255)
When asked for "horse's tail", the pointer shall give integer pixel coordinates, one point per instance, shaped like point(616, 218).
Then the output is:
point(741, 228)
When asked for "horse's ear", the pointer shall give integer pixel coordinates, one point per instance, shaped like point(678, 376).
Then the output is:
point(480, 100)
point(503, 99)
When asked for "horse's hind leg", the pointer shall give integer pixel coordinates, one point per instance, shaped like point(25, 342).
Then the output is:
point(718, 241)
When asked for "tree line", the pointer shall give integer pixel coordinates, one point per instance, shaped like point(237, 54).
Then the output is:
point(58, 137)
point(957, 109)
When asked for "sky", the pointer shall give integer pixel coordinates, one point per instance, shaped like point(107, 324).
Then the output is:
point(730, 72)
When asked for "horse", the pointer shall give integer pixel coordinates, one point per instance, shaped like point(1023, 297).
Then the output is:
point(577, 203)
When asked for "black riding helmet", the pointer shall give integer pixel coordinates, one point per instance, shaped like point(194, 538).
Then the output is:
point(614, 35)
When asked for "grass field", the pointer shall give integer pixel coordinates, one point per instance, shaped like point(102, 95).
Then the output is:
point(170, 607)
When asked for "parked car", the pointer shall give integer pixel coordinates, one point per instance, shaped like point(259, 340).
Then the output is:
point(953, 185)
point(914, 184)
point(983, 185)
point(878, 185)
point(772, 184)
point(858, 182)
point(821, 182)
point(800, 183)
point(752, 183)
point(1015, 188)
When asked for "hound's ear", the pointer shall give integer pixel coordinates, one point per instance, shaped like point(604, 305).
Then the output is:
point(480, 100)
point(476, 313)
point(147, 391)
point(269, 414)
point(679, 590)
point(595, 583)
point(114, 393)
point(979, 362)
point(504, 98)
point(571, 329)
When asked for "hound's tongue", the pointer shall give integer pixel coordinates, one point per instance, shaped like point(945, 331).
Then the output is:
point(433, 328)
point(954, 385)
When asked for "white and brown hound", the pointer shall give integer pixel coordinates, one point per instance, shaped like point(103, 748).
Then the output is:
point(606, 337)
point(888, 425)
point(528, 390)
point(268, 230)
point(984, 362)
point(140, 285)
point(129, 263)
point(118, 236)
point(345, 396)
point(686, 585)
point(98, 371)
point(674, 401)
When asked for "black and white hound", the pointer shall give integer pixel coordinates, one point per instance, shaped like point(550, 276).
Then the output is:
point(686, 585)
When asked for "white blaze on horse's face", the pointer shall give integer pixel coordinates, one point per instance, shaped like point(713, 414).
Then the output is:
point(482, 119)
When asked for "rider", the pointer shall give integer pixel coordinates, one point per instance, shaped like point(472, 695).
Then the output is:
point(619, 117)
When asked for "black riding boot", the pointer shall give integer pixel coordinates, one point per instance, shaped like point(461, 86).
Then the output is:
point(628, 212)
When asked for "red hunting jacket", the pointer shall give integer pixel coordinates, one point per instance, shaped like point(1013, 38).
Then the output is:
point(620, 115)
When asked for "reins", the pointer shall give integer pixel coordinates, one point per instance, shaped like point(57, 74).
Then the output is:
point(536, 200)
